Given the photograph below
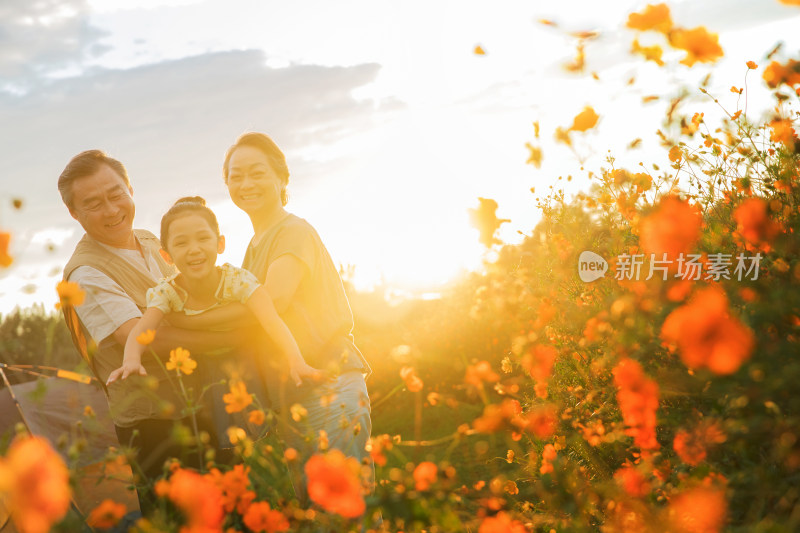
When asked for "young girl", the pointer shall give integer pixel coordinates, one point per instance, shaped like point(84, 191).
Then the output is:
point(190, 240)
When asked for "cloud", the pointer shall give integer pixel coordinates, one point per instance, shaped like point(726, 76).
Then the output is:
point(42, 38)
point(170, 124)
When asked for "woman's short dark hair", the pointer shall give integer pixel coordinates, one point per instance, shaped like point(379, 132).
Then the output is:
point(187, 205)
point(265, 144)
point(85, 164)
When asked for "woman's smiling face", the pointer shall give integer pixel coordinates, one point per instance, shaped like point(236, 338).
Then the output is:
point(252, 183)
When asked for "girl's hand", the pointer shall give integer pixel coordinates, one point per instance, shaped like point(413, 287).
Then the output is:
point(127, 369)
point(301, 371)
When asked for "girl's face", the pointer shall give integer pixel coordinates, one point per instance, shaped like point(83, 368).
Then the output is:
point(252, 183)
point(193, 246)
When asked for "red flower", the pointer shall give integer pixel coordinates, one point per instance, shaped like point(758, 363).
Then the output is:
point(260, 517)
point(106, 515)
point(632, 481)
point(698, 510)
point(409, 375)
point(501, 523)
point(36, 482)
point(539, 363)
point(199, 498)
point(691, 446)
point(425, 474)
point(754, 224)
point(673, 228)
point(333, 483)
point(541, 421)
point(480, 372)
point(706, 335)
point(637, 396)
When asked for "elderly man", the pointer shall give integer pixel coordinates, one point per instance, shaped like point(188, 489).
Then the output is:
point(115, 265)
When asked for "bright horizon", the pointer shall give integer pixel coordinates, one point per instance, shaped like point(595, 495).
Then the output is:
point(391, 124)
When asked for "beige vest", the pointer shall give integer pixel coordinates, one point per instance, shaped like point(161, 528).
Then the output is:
point(135, 398)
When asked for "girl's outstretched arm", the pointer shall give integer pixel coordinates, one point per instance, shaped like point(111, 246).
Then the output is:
point(132, 360)
point(260, 303)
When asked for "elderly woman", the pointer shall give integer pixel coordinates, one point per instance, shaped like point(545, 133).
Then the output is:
point(287, 255)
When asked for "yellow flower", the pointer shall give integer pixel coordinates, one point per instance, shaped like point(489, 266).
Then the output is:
point(236, 435)
point(5, 259)
point(238, 398)
point(256, 417)
point(585, 120)
point(700, 45)
point(535, 157)
point(650, 53)
point(782, 132)
point(181, 360)
point(69, 294)
point(654, 17)
point(298, 412)
point(146, 338)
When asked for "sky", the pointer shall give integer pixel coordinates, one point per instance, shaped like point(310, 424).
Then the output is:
point(392, 126)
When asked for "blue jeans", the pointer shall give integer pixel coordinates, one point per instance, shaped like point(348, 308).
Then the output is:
point(341, 408)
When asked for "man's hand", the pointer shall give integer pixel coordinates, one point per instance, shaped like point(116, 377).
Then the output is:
point(127, 369)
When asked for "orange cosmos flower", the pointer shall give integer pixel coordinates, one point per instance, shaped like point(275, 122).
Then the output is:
point(650, 53)
point(376, 447)
point(637, 396)
point(146, 337)
point(706, 335)
point(501, 523)
point(700, 45)
point(70, 294)
point(535, 157)
point(539, 360)
point(233, 486)
point(333, 484)
point(409, 375)
point(36, 482)
point(698, 510)
point(673, 228)
point(754, 224)
point(5, 259)
point(425, 474)
point(776, 74)
point(256, 417)
point(495, 417)
point(180, 360)
point(691, 446)
point(549, 455)
point(790, 2)
point(480, 372)
point(675, 154)
point(752, 65)
point(238, 398)
point(479, 51)
point(260, 517)
point(654, 17)
point(106, 515)
point(783, 132)
point(541, 421)
point(632, 481)
point(199, 498)
point(585, 120)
